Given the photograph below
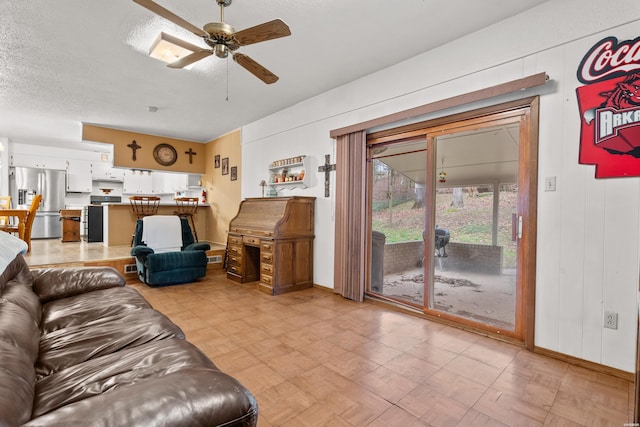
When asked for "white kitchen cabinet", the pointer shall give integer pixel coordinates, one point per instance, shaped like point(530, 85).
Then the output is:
point(39, 162)
point(174, 182)
point(137, 183)
point(154, 183)
point(78, 176)
point(103, 171)
point(158, 182)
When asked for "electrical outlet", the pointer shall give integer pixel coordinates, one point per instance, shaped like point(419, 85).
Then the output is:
point(610, 320)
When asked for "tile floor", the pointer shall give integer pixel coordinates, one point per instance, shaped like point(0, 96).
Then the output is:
point(315, 359)
point(54, 251)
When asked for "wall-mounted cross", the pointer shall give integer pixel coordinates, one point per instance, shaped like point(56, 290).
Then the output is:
point(326, 168)
point(190, 153)
point(134, 146)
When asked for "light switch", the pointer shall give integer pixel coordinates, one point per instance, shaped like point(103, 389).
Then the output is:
point(550, 183)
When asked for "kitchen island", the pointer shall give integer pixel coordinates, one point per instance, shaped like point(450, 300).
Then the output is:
point(119, 221)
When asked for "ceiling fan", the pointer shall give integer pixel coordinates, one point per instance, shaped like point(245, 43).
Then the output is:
point(223, 39)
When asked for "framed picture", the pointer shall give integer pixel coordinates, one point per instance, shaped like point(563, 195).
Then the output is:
point(234, 173)
point(216, 161)
point(225, 166)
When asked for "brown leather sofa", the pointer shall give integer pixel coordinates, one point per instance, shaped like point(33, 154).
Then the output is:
point(79, 348)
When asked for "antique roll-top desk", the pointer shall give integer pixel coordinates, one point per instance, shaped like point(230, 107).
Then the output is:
point(271, 241)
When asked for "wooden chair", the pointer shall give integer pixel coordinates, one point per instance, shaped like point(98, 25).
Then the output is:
point(144, 205)
point(24, 226)
point(187, 208)
point(5, 203)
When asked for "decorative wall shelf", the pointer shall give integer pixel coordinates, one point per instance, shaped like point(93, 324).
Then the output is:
point(289, 173)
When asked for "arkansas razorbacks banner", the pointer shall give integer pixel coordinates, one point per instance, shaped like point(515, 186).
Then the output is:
point(609, 106)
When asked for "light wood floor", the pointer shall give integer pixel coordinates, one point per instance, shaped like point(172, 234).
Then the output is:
point(313, 359)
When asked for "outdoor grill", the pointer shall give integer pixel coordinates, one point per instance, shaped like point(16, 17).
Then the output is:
point(442, 240)
point(442, 236)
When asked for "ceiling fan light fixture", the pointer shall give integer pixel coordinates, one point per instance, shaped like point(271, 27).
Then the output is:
point(221, 51)
point(168, 48)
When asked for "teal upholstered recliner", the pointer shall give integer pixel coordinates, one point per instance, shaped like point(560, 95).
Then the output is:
point(182, 265)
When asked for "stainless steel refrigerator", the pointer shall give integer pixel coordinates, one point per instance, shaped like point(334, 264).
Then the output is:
point(24, 183)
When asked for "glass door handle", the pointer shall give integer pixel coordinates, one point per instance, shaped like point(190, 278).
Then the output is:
point(519, 226)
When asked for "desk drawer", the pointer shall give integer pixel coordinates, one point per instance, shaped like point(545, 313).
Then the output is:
point(235, 259)
point(235, 250)
point(266, 268)
point(266, 257)
point(235, 269)
point(264, 278)
point(249, 240)
point(235, 240)
point(251, 232)
point(267, 246)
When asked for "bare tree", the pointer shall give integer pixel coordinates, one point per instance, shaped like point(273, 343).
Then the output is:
point(420, 191)
point(458, 200)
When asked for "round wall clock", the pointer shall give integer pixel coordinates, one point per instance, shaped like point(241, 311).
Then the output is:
point(165, 154)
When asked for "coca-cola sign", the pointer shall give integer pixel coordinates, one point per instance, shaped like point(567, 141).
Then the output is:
point(609, 106)
point(608, 59)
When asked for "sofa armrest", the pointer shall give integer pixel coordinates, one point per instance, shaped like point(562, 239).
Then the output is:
point(61, 282)
point(197, 247)
point(141, 252)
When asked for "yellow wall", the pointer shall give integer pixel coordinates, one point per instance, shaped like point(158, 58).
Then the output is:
point(122, 155)
point(222, 194)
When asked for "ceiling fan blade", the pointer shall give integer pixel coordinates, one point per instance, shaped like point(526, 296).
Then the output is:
point(159, 10)
point(179, 42)
point(254, 68)
point(263, 32)
point(190, 59)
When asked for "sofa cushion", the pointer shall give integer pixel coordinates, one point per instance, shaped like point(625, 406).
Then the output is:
point(19, 336)
point(76, 344)
point(158, 383)
point(53, 283)
point(17, 382)
point(83, 308)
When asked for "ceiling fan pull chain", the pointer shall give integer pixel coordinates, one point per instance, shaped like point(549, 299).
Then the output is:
point(227, 78)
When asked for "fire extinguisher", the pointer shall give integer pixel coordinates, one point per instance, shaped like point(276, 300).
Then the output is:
point(204, 196)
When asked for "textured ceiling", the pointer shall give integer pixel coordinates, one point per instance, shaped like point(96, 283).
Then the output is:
point(66, 62)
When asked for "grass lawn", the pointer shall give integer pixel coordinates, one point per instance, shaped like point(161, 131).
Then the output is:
point(469, 224)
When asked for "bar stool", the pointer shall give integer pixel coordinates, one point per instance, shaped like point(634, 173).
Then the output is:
point(187, 207)
point(144, 205)
point(5, 203)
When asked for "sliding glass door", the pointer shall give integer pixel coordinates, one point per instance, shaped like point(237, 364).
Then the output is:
point(450, 207)
point(474, 265)
point(398, 209)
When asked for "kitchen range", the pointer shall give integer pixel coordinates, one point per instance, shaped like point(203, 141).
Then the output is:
point(95, 217)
